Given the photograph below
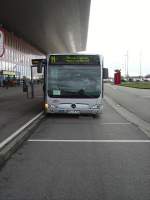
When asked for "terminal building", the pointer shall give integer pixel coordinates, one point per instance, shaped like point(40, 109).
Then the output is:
point(16, 56)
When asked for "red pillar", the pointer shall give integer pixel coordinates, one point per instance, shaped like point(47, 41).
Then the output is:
point(117, 77)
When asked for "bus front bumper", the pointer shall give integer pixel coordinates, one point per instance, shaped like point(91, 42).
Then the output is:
point(74, 111)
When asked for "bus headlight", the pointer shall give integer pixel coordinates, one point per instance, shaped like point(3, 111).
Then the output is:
point(46, 106)
point(97, 106)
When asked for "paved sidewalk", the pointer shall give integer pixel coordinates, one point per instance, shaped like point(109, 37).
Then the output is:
point(16, 109)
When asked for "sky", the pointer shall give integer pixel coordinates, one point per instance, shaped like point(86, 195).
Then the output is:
point(120, 31)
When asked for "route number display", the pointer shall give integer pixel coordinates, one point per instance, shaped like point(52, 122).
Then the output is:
point(74, 59)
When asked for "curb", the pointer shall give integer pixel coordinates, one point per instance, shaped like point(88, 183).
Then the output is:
point(129, 116)
point(12, 143)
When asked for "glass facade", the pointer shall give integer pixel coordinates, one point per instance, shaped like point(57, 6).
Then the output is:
point(17, 56)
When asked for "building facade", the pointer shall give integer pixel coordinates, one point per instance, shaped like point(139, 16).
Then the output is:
point(17, 56)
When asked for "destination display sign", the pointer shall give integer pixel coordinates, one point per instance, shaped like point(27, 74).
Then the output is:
point(74, 60)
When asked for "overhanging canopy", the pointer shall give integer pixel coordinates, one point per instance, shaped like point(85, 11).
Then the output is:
point(50, 25)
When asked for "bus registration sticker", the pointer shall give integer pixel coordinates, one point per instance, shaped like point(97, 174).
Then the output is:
point(56, 92)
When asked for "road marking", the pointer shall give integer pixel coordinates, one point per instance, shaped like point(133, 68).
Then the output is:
point(116, 123)
point(96, 141)
point(146, 96)
point(131, 117)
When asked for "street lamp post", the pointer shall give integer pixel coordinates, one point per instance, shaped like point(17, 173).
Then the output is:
point(140, 64)
point(126, 65)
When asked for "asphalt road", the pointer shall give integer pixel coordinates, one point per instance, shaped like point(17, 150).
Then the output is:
point(68, 158)
point(135, 100)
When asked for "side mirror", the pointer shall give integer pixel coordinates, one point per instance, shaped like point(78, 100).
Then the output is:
point(105, 73)
point(39, 68)
point(39, 63)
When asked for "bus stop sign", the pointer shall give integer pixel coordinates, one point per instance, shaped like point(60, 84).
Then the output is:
point(39, 63)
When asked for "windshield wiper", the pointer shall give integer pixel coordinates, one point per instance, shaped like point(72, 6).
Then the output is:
point(81, 92)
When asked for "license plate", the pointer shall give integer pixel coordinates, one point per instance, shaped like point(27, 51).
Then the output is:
point(74, 112)
point(61, 111)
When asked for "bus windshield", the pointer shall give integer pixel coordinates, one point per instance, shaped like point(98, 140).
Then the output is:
point(74, 81)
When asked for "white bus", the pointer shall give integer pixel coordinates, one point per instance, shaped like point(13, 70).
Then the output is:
point(74, 84)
